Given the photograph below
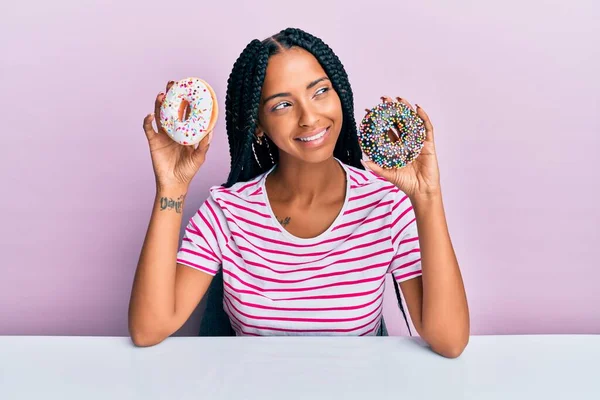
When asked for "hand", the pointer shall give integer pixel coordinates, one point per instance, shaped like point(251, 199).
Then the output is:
point(174, 164)
point(421, 178)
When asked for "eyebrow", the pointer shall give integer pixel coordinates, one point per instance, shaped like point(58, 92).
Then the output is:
point(286, 94)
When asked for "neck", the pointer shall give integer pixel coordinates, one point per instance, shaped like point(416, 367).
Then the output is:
point(306, 182)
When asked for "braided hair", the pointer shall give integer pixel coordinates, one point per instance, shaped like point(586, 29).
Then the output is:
point(244, 88)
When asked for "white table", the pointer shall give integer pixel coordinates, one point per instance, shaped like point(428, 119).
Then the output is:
point(284, 368)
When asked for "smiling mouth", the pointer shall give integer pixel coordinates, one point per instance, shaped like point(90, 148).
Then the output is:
point(314, 137)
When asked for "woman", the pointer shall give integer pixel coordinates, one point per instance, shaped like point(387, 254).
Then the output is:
point(302, 234)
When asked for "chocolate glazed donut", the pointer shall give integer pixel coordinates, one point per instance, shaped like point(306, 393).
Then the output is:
point(392, 135)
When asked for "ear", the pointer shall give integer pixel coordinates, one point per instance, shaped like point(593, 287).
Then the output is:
point(259, 132)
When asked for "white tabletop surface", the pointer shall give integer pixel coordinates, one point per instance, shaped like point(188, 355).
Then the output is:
point(287, 368)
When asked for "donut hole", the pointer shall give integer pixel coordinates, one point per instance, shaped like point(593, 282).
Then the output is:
point(184, 110)
point(393, 134)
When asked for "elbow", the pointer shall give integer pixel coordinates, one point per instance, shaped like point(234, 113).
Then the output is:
point(451, 349)
point(145, 340)
point(143, 336)
point(449, 343)
point(449, 346)
point(453, 352)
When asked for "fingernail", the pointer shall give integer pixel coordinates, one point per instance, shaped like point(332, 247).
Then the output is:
point(210, 135)
point(168, 83)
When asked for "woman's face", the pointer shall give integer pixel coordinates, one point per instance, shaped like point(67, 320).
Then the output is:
point(299, 109)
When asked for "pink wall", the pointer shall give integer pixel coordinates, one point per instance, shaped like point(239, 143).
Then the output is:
point(512, 88)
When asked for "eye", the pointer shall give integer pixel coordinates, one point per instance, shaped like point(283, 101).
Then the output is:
point(322, 91)
point(279, 106)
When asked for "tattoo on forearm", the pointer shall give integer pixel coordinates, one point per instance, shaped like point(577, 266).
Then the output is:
point(283, 221)
point(167, 203)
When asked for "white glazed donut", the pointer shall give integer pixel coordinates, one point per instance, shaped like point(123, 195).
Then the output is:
point(203, 113)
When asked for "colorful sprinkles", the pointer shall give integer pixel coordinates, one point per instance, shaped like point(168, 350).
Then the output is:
point(192, 130)
point(376, 143)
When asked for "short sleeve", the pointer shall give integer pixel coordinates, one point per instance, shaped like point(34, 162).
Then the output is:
point(406, 263)
point(200, 244)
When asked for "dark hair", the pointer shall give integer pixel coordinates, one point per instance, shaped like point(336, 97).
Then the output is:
point(244, 88)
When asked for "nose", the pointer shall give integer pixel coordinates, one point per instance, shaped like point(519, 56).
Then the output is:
point(308, 116)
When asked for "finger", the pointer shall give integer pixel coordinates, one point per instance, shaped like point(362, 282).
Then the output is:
point(169, 84)
point(382, 172)
point(200, 151)
point(157, 103)
point(148, 128)
point(428, 126)
point(205, 142)
point(386, 99)
point(401, 100)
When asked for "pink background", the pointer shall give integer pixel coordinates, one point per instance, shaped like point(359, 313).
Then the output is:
point(512, 88)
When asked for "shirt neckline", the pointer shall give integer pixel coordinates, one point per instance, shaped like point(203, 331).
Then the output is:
point(273, 219)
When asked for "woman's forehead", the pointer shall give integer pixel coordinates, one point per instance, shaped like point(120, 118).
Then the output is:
point(292, 68)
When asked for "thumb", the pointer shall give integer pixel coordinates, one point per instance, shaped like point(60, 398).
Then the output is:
point(200, 151)
point(382, 172)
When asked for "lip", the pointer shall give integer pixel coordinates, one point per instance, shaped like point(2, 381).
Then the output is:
point(314, 143)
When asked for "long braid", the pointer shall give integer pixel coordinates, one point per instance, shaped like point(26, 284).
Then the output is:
point(236, 107)
point(252, 103)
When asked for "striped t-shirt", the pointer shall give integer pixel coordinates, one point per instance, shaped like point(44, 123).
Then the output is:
point(278, 284)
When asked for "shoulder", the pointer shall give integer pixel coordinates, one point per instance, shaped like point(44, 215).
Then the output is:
point(237, 200)
point(362, 177)
point(227, 204)
point(364, 182)
point(240, 190)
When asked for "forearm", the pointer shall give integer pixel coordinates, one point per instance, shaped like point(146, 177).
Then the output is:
point(445, 313)
point(152, 302)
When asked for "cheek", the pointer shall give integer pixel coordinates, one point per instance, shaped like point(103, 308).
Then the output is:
point(279, 125)
point(279, 128)
point(336, 104)
point(334, 109)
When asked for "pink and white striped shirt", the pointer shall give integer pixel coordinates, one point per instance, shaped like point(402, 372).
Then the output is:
point(278, 284)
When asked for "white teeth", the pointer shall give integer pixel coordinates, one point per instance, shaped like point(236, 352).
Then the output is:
point(311, 138)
